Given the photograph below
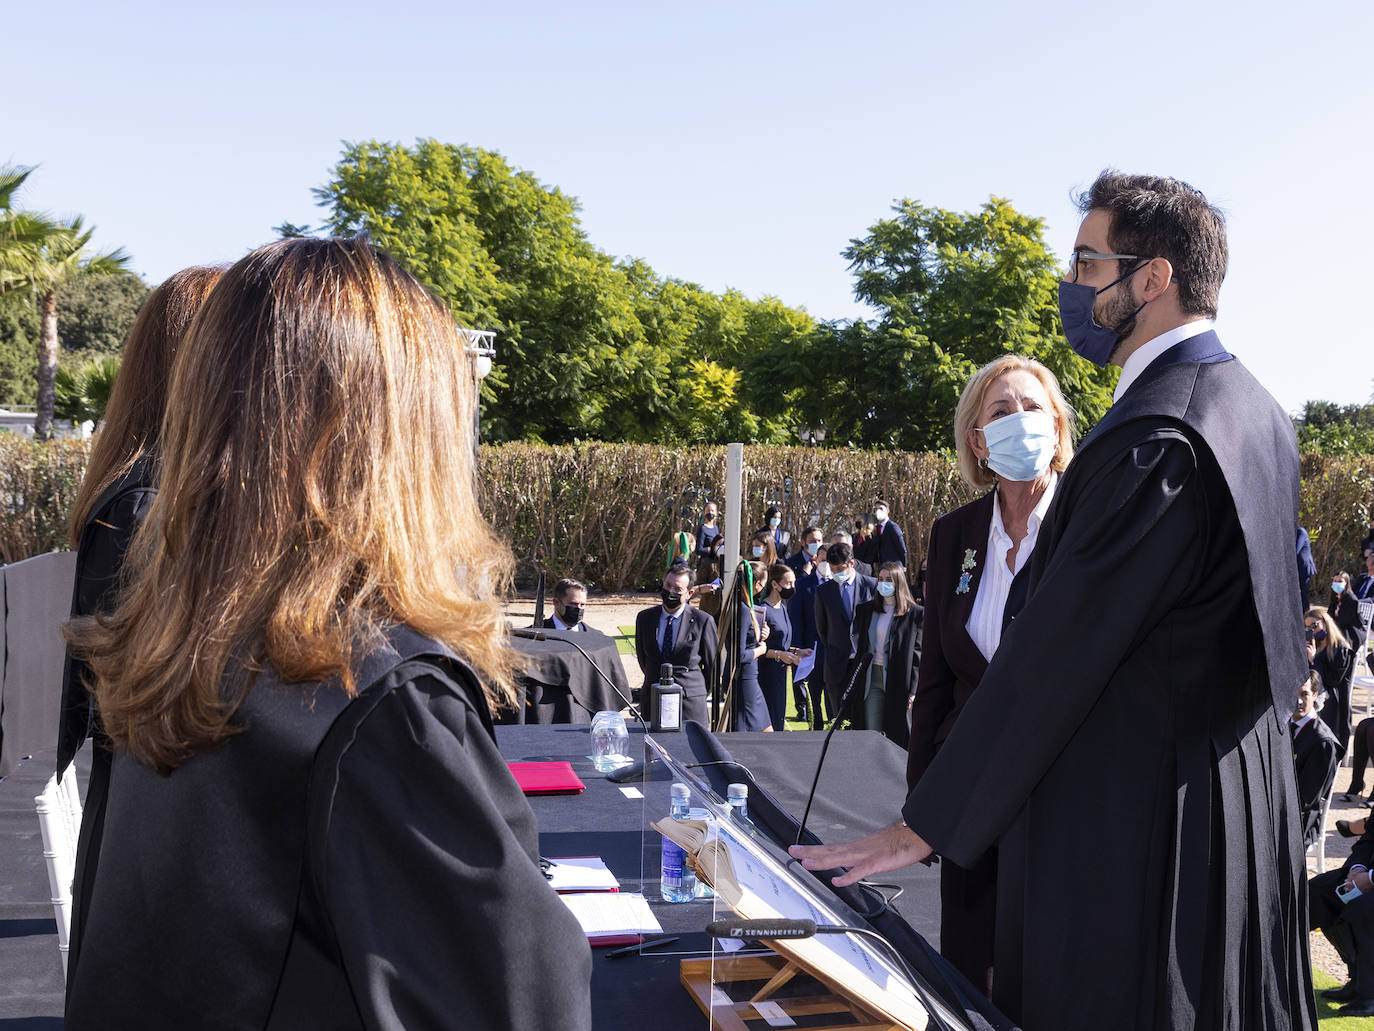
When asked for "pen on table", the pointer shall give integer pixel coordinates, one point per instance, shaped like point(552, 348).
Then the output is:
point(642, 946)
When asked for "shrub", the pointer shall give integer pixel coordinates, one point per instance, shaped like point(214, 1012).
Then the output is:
point(38, 483)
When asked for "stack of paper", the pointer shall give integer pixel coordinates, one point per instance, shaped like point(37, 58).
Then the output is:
point(613, 918)
point(581, 873)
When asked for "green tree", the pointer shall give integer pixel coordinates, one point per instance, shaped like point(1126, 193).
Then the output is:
point(95, 313)
point(952, 290)
point(83, 394)
point(19, 330)
point(62, 258)
point(588, 347)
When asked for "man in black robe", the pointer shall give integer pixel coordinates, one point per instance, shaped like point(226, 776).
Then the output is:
point(1125, 749)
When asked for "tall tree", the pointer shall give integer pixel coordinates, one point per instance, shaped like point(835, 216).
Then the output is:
point(952, 290)
point(62, 257)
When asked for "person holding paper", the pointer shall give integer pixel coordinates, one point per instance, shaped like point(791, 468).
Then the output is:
point(1161, 702)
point(309, 824)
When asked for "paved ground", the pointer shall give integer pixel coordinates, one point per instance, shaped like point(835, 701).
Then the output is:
point(609, 612)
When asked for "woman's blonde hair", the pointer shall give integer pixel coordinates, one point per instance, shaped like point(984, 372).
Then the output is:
point(318, 485)
point(971, 406)
point(1334, 637)
point(133, 415)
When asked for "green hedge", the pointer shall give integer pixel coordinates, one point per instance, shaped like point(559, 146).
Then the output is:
point(604, 512)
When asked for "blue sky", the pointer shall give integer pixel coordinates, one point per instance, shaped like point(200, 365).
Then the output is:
point(740, 144)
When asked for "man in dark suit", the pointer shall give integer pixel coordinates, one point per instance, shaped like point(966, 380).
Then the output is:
point(860, 566)
point(836, 600)
point(888, 537)
point(1316, 753)
point(1348, 923)
point(687, 636)
point(1186, 489)
point(569, 606)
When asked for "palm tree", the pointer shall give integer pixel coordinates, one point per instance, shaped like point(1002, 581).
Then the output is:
point(21, 232)
point(62, 256)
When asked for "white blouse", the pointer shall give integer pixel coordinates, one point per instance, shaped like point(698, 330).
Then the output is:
point(994, 583)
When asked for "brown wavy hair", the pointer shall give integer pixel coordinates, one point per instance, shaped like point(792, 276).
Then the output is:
point(318, 485)
point(133, 417)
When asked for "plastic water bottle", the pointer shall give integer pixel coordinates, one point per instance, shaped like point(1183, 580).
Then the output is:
point(677, 882)
point(738, 796)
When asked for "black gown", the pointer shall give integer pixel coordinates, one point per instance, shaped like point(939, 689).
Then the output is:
point(342, 863)
point(1126, 754)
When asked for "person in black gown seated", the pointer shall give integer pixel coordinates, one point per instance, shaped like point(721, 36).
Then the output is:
point(309, 824)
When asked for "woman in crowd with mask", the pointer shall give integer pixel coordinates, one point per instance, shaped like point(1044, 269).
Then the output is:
point(752, 634)
point(1330, 654)
point(888, 627)
point(772, 528)
point(1344, 607)
point(774, 663)
point(761, 549)
point(1013, 432)
point(309, 823)
point(708, 530)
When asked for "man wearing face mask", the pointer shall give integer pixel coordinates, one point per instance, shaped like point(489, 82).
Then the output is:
point(836, 600)
point(686, 636)
point(890, 544)
point(806, 564)
point(1164, 703)
point(569, 606)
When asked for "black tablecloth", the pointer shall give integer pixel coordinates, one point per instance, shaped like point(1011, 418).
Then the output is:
point(861, 790)
point(561, 685)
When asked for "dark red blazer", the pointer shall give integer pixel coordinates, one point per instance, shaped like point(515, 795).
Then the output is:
point(951, 664)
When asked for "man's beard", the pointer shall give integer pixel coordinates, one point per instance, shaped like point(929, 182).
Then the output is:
point(1117, 313)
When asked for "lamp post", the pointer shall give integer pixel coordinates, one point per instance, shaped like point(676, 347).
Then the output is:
point(481, 344)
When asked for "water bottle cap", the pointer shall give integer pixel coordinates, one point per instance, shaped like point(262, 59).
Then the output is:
point(735, 791)
point(680, 791)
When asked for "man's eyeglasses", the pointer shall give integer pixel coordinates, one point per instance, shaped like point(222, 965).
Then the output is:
point(1076, 256)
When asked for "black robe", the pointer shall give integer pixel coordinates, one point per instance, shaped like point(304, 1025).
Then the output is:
point(1124, 744)
point(341, 863)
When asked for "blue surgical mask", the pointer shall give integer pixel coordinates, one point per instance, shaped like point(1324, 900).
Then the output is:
point(774, 522)
point(757, 551)
point(1095, 343)
point(886, 588)
point(1021, 445)
point(1337, 586)
point(840, 575)
point(813, 548)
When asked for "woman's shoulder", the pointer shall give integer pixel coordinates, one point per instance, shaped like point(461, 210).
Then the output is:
point(979, 510)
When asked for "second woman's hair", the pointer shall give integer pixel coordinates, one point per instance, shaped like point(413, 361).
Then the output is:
point(901, 592)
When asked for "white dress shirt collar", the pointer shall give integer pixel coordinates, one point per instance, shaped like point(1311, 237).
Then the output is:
point(1147, 352)
point(1299, 724)
point(558, 624)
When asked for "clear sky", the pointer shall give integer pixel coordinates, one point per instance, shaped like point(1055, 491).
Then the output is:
point(735, 144)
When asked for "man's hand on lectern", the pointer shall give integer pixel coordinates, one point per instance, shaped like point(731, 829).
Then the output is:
point(888, 849)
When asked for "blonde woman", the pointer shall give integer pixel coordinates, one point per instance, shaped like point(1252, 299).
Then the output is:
point(1013, 432)
point(309, 824)
point(1330, 654)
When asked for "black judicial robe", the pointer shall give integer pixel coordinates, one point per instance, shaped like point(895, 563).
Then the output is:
point(342, 863)
point(1124, 744)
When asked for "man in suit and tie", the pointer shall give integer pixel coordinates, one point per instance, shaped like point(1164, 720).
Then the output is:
point(801, 610)
point(860, 566)
point(888, 537)
point(569, 606)
point(686, 637)
point(836, 600)
point(1316, 753)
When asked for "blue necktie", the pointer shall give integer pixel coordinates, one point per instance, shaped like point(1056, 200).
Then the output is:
point(665, 646)
point(848, 598)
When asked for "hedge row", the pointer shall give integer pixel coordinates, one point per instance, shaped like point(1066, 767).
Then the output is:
point(604, 512)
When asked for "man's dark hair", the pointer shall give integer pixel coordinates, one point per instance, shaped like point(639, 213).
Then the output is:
point(812, 529)
point(773, 510)
point(680, 568)
point(1157, 217)
point(839, 554)
point(566, 586)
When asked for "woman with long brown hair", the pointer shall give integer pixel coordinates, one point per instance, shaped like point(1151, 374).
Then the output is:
point(888, 627)
point(309, 822)
point(115, 494)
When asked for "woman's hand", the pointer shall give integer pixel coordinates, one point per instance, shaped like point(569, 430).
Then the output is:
point(764, 630)
point(1311, 651)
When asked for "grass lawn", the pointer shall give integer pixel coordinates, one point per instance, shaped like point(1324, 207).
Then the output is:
point(1326, 1009)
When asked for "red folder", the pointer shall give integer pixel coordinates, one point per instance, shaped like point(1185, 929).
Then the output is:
point(546, 778)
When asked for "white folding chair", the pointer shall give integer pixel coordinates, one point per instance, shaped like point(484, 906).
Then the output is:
point(59, 819)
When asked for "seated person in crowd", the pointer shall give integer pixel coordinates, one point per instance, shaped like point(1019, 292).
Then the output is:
point(676, 633)
point(569, 606)
point(1316, 753)
point(1364, 747)
point(1341, 905)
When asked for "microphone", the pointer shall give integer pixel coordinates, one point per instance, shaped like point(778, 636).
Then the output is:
point(529, 633)
point(734, 927)
point(860, 671)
